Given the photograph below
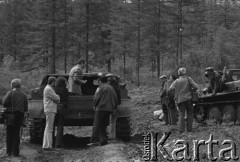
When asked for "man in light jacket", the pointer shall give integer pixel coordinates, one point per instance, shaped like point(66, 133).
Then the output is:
point(50, 100)
point(183, 87)
point(75, 78)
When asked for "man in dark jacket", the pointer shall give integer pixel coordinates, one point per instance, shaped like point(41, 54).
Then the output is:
point(112, 80)
point(16, 103)
point(105, 102)
point(215, 85)
point(163, 96)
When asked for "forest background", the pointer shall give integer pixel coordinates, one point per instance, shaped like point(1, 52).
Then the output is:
point(136, 39)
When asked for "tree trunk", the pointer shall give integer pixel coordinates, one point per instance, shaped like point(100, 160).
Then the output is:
point(65, 36)
point(158, 38)
point(139, 43)
point(53, 37)
point(87, 34)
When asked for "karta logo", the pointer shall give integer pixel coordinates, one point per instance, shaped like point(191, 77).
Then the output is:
point(181, 152)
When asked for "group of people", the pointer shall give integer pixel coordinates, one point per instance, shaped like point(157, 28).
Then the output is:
point(106, 99)
point(176, 99)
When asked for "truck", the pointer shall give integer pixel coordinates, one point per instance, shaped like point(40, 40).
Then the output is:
point(224, 106)
point(79, 108)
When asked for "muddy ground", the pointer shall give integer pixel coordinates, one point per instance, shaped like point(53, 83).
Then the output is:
point(144, 102)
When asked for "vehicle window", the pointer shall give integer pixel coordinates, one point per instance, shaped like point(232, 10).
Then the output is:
point(236, 75)
point(95, 82)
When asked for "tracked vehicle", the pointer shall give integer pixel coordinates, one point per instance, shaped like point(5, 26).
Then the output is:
point(79, 108)
point(224, 106)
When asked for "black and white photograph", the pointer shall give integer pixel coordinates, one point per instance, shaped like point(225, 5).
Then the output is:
point(119, 80)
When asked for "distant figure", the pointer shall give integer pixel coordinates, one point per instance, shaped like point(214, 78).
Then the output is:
point(172, 111)
point(105, 103)
point(50, 101)
point(163, 96)
point(183, 97)
point(75, 78)
point(216, 84)
point(62, 91)
point(16, 102)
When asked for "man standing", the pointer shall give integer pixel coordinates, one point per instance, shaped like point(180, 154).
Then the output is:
point(172, 111)
point(183, 97)
point(75, 78)
point(112, 80)
point(50, 101)
point(16, 103)
point(105, 102)
point(163, 96)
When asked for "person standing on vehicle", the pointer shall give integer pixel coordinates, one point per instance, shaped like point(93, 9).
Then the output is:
point(215, 85)
point(62, 91)
point(183, 97)
point(105, 102)
point(163, 96)
point(15, 102)
point(75, 78)
point(172, 111)
point(50, 101)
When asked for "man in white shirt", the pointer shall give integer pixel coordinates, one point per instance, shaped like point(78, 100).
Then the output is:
point(50, 100)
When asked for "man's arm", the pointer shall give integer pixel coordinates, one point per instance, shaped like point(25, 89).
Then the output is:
point(25, 104)
point(7, 99)
point(97, 97)
point(194, 85)
point(173, 85)
point(51, 94)
point(77, 78)
point(115, 99)
point(164, 90)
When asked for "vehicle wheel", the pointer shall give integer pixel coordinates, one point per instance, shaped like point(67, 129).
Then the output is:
point(199, 114)
point(229, 113)
point(238, 113)
point(36, 130)
point(123, 129)
point(215, 114)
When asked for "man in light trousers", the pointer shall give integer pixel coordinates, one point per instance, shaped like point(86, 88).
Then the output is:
point(50, 100)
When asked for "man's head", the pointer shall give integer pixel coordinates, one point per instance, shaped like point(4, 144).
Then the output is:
point(81, 62)
point(16, 83)
point(172, 77)
point(210, 72)
point(111, 78)
point(163, 78)
point(51, 81)
point(103, 79)
point(182, 71)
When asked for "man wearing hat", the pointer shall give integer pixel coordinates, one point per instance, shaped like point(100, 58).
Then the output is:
point(163, 96)
point(215, 81)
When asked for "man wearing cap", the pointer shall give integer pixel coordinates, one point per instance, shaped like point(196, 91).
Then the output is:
point(163, 97)
point(75, 78)
point(215, 81)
